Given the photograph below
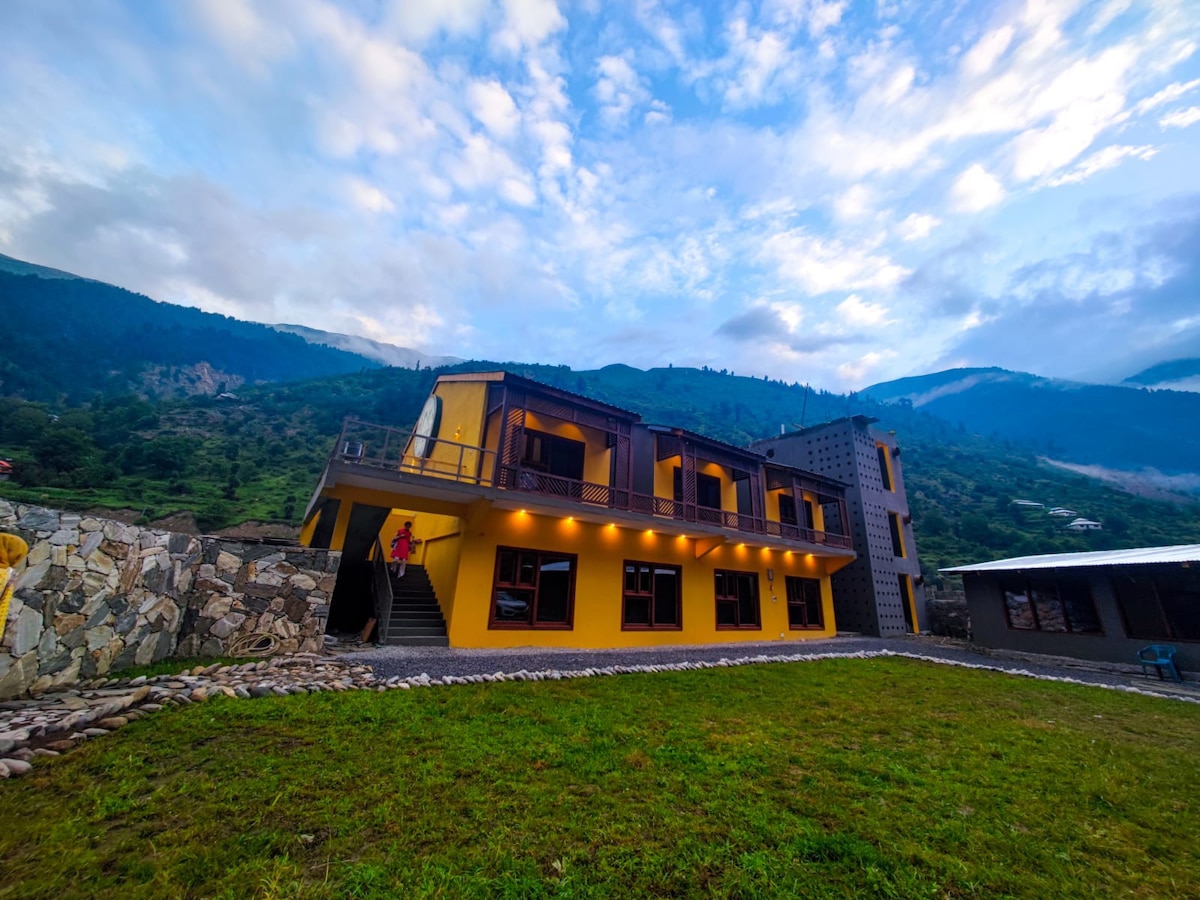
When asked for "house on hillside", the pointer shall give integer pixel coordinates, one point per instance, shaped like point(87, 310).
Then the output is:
point(1082, 524)
point(882, 592)
point(1102, 605)
point(548, 518)
point(1028, 504)
point(1061, 512)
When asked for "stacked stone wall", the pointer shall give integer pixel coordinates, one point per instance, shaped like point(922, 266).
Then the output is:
point(96, 596)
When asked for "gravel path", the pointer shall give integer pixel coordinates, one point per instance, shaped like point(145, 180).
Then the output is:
point(438, 662)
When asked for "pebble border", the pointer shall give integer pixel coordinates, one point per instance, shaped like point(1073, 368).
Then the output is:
point(54, 723)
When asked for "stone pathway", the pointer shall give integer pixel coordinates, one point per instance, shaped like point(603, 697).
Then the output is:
point(52, 723)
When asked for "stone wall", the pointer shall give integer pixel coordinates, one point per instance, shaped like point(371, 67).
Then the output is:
point(948, 614)
point(96, 596)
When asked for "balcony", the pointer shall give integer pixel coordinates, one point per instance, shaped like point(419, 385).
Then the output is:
point(389, 449)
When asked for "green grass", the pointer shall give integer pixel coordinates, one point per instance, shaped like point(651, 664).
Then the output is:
point(881, 778)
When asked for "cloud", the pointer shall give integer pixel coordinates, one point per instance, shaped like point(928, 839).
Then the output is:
point(1168, 94)
point(917, 226)
point(1181, 118)
point(859, 313)
point(1108, 158)
point(819, 266)
point(976, 189)
point(618, 89)
point(764, 324)
point(493, 106)
point(369, 198)
point(527, 23)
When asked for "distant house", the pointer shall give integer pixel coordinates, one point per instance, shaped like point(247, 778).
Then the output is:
point(1029, 504)
point(1084, 525)
point(1061, 511)
point(1101, 605)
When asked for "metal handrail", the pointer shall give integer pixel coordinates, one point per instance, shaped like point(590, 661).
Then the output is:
point(382, 589)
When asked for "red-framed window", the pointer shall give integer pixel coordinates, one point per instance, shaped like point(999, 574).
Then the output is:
point(652, 596)
point(533, 589)
point(737, 599)
point(804, 603)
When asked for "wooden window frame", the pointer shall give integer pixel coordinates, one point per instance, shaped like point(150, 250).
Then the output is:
point(626, 594)
point(719, 598)
point(798, 581)
point(533, 625)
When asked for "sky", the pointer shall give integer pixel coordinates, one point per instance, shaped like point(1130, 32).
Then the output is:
point(818, 191)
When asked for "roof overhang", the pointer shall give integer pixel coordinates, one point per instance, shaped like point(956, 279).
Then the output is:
point(1182, 554)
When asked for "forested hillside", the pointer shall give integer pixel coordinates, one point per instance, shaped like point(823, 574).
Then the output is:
point(67, 339)
point(1117, 427)
point(258, 457)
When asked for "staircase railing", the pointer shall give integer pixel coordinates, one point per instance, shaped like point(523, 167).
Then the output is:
point(381, 590)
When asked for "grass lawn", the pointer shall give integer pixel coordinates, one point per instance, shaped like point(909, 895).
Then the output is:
point(889, 778)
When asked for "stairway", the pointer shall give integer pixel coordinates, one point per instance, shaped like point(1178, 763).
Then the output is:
point(417, 619)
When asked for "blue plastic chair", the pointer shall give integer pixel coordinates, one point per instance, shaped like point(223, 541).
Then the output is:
point(1162, 657)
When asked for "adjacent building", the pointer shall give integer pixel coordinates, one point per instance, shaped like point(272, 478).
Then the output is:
point(1102, 605)
point(882, 592)
point(549, 518)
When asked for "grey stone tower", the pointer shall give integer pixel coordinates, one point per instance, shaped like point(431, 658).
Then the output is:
point(881, 593)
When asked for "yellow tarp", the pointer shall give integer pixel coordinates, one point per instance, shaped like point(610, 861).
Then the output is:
point(12, 551)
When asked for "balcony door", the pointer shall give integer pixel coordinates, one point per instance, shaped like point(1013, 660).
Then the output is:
point(553, 455)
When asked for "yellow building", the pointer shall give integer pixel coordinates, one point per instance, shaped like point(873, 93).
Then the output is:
point(548, 518)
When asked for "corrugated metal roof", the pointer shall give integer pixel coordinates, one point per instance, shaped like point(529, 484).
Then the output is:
point(1142, 556)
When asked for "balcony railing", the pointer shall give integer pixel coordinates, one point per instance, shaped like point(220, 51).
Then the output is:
point(380, 447)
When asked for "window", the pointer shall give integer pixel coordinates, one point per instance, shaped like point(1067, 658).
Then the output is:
point(804, 603)
point(897, 534)
point(553, 455)
point(787, 509)
point(737, 599)
point(906, 603)
point(708, 489)
point(1039, 605)
point(1167, 607)
point(533, 589)
point(652, 596)
point(885, 466)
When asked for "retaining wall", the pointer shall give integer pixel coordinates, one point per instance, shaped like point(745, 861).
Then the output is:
point(97, 595)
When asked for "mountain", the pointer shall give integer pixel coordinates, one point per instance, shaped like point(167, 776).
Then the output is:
point(385, 354)
point(68, 339)
point(1116, 428)
point(1176, 375)
point(20, 267)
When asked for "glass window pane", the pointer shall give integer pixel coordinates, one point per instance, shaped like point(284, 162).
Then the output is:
point(554, 591)
point(726, 612)
point(666, 596)
point(513, 606)
point(637, 610)
point(644, 586)
point(1020, 612)
point(1049, 608)
point(630, 579)
point(527, 573)
point(507, 570)
point(1139, 607)
point(1181, 604)
point(1081, 610)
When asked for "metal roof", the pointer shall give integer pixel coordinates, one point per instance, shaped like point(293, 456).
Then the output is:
point(1182, 553)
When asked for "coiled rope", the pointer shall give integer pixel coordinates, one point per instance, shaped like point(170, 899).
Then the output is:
point(259, 643)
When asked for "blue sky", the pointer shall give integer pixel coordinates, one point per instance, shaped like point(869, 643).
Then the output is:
point(827, 192)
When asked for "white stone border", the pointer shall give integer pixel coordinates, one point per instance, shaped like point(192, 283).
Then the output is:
point(423, 680)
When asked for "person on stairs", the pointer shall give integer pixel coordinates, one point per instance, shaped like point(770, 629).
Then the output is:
point(402, 545)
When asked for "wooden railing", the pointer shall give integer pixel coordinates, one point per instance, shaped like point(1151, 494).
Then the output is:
point(378, 446)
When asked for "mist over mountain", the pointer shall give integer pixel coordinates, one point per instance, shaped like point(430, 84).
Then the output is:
point(385, 354)
point(1174, 375)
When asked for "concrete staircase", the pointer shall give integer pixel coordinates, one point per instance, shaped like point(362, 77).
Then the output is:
point(417, 619)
